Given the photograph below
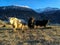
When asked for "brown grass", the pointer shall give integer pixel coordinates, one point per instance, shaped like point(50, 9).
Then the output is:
point(41, 36)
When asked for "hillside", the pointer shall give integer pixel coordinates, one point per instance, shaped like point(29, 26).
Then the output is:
point(52, 14)
point(17, 11)
point(41, 36)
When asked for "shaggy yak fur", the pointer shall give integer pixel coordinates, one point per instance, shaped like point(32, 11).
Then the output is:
point(31, 22)
point(17, 23)
point(41, 22)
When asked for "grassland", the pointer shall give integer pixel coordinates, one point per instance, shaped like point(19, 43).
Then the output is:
point(40, 36)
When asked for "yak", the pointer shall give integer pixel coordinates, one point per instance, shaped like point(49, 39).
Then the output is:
point(41, 22)
point(18, 23)
point(31, 22)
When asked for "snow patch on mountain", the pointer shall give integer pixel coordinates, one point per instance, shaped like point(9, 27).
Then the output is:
point(47, 9)
point(22, 6)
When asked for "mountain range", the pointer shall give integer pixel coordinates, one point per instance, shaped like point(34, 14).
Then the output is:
point(52, 14)
point(17, 11)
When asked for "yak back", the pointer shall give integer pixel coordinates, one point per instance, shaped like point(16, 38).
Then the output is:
point(41, 22)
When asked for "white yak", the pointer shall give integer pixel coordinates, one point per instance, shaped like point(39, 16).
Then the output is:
point(18, 23)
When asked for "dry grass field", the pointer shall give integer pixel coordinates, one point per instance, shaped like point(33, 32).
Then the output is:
point(40, 36)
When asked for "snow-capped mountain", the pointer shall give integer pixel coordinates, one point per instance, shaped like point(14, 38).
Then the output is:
point(16, 7)
point(17, 11)
point(46, 9)
point(52, 14)
point(23, 12)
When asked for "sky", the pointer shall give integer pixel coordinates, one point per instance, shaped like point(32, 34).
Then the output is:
point(34, 4)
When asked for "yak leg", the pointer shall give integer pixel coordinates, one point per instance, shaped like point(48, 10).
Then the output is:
point(16, 25)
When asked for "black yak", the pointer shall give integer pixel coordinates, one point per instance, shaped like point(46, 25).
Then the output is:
point(41, 22)
point(31, 22)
